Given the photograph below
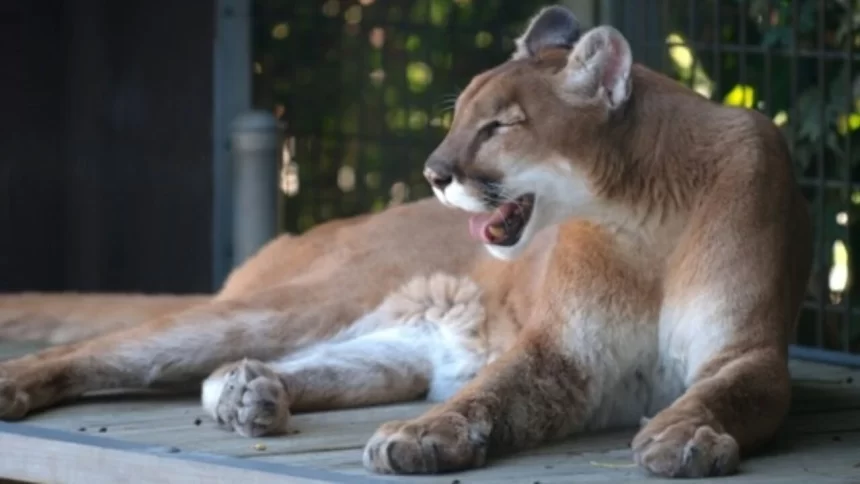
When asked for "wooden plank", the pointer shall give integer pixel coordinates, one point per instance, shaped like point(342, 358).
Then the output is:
point(174, 421)
point(32, 454)
point(815, 458)
point(812, 446)
point(819, 443)
point(588, 456)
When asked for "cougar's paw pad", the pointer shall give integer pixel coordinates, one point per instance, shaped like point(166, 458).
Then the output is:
point(428, 445)
point(14, 403)
point(252, 401)
point(684, 449)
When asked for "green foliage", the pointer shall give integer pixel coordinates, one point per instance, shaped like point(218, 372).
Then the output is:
point(794, 56)
point(365, 89)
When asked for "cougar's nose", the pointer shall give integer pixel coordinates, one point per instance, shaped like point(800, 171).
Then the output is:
point(438, 172)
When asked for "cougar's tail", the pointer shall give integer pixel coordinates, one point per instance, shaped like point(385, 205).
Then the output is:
point(68, 317)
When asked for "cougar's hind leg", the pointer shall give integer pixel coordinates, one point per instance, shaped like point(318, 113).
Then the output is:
point(177, 348)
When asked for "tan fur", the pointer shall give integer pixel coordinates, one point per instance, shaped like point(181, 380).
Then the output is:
point(66, 318)
point(660, 277)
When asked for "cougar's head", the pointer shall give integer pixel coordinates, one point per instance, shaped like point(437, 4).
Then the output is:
point(518, 151)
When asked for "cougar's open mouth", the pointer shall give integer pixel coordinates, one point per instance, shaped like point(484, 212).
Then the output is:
point(505, 225)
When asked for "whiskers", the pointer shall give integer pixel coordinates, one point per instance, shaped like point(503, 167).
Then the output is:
point(495, 194)
point(448, 101)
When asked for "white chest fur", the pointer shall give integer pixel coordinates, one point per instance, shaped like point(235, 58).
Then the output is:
point(641, 367)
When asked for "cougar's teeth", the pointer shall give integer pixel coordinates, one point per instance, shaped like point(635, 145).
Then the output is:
point(496, 231)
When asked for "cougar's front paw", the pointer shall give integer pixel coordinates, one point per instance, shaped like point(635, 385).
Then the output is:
point(14, 403)
point(684, 448)
point(249, 398)
point(427, 445)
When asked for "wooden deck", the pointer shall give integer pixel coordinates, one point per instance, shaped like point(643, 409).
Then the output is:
point(157, 439)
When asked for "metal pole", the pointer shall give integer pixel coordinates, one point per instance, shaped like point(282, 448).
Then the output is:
point(819, 355)
point(256, 148)
point(231, 82)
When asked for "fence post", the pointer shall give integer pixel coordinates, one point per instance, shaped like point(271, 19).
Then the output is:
point(256, 148)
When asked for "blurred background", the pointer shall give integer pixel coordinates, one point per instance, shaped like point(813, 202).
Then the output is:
point(116, 119)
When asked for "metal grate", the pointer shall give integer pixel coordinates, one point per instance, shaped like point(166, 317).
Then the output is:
point(796, 61)
point(363, 88)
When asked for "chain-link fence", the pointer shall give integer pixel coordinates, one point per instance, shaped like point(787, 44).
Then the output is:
point(364, 89)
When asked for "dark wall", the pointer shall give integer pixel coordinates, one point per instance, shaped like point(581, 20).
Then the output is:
point(32, 191)
point(105, 165)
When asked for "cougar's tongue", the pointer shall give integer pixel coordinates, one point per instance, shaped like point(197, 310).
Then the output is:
point(480, 223)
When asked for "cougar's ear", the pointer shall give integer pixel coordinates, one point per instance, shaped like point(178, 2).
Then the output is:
point(599, 66)
point(554, 26)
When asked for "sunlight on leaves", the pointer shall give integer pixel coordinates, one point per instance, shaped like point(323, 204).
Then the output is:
point(281, 31)
point(290, 179)
point(741, 95)
point(419, 75)
point(483, 40)
point(418, 120)
point(839, 270)
point(689, 71)
point(377, 77)
point(447, 118)
point(781, 118)
point(377, 37)
point(396, 119)
point(346, 178)
point(353, 15)
point(374, 89)
point(413, 43)
point(846, 123)
point(399, 193)
point(439, 12)
point(680, 54)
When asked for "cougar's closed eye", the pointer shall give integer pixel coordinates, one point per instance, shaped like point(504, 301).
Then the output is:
point(486, 131)
point(490, 129)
